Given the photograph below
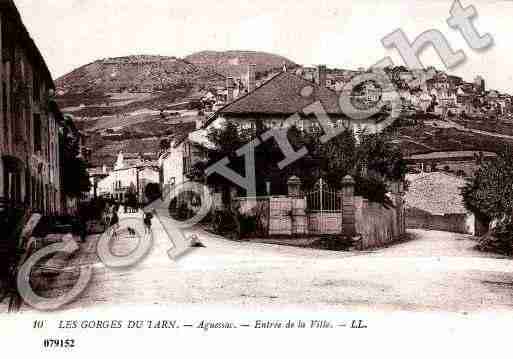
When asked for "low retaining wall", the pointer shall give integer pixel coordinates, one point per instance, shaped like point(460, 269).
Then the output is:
point(453, 222)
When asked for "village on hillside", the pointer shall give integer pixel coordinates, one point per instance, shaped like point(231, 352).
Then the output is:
point(268, 176)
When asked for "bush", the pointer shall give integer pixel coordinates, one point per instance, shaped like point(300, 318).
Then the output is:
point(225, 222)
point(152, 192)
point(499, 240)
point(333, 242)
point(248, 225)
point(373, 189)
point(489, 195)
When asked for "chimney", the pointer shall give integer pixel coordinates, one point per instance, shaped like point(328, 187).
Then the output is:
point(230, 85)
point(251, 77)
point(199, 122)
point(321, 69)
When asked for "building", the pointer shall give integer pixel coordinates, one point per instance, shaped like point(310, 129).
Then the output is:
point(463, 163)
point(421, 100)
point(29, 121)
point(269, 105)
point(434, 202)
point(127, 175)
point(286, 94)
point(177, 163)
point(96, 174)
point(479, 84)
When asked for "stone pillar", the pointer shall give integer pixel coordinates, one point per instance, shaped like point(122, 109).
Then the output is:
point(233, 195)
point(298, 207)
point(348, 211)
point(293, 184)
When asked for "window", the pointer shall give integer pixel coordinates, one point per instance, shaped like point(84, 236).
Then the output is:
point(28, 132)
point(4, 109)
point(19, 128)
point(37, 132)
point(49, 142)
point(36, 88)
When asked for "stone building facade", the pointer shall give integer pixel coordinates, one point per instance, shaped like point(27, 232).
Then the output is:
point(29, 121)
point(127, 175)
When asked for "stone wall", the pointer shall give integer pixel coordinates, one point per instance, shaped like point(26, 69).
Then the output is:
point(450, 222)
point(289, 216)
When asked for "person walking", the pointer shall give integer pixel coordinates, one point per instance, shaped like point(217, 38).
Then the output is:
point(147, 217)
point(106, 217)
point(114, 221)
point(83, 229)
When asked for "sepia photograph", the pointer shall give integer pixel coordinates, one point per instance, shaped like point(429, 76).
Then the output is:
point(304, 174)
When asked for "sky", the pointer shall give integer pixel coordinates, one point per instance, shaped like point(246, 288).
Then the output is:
point(338, 33)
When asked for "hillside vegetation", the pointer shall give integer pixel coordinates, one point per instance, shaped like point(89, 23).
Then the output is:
point(133, 74)
point(123, 97)
point(234, 63)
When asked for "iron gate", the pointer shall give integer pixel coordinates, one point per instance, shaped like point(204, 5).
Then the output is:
point(324, 209)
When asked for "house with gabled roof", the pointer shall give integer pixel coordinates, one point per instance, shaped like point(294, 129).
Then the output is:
point(129, 171)
point(269, 105)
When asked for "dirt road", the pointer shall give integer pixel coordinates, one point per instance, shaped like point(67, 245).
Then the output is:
point(433, 271)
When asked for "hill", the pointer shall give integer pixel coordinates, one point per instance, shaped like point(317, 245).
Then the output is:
point(141, 73)
point(120, 102)
point(234, 63)
point(127, 94)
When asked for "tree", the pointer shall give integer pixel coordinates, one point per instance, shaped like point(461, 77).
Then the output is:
point(73, 168)
point(164, 144)
point(489, 195)
point(381, 156)
point(75, 177)
point(489, 192)
point(152, 191)
point(333, 160)
point(227, 139)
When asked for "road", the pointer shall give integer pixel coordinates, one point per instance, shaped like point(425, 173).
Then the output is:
point(431, 271)
point(451, 124)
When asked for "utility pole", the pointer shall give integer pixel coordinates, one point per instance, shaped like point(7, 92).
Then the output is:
point(138, 185)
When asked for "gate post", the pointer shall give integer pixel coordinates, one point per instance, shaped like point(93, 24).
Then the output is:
point(298, 211)
point(348, 212)
point(293, 186)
